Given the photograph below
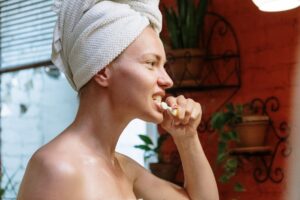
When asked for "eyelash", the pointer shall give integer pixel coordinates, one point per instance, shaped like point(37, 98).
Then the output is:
point(152, 63)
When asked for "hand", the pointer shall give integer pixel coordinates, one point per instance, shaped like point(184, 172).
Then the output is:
point(187, 119)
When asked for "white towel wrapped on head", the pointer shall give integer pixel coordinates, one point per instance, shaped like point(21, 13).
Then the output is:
point(89, 34)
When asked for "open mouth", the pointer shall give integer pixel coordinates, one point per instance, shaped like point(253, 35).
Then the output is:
point(157, 99)
point(164, 106)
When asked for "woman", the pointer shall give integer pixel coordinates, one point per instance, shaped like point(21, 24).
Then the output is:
point(112, 55)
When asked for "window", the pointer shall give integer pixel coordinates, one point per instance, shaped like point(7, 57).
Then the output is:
point(26, 31)
point(26, 28)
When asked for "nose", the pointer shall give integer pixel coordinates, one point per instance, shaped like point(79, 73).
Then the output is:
point(164, 80)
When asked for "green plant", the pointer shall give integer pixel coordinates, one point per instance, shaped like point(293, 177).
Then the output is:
point(149, 148)
point(9, 185)
point(2, 189)
point(166, 167)
point(185, 24)
point(224, 123)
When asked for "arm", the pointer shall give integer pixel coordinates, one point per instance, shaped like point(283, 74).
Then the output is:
point(200, 183)
point(199, 180)
point(146, 186)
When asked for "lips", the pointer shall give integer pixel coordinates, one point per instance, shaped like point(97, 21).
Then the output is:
point(157, 101)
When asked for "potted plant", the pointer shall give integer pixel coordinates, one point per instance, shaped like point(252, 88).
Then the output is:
point(163, 168)
point(185, 28)
point(237, 126)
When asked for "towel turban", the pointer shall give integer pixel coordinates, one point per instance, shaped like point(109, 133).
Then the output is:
point(89, 34)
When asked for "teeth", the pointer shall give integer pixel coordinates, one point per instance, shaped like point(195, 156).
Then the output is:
point(157, 99)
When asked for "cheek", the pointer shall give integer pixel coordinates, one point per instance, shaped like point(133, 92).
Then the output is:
point(131, 87)
point(137, 77)
point(131, 92)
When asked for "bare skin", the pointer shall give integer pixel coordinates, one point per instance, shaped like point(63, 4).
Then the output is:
point(81, 162)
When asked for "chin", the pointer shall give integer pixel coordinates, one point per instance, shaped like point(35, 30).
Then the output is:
point(154, 118)
point(153, 121)
point(158, 121)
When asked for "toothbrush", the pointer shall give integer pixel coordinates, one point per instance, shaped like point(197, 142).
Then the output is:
point(173, 111)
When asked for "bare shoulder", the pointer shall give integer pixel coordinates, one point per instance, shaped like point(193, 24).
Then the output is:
point(49, 176)
point(64, 170)
point(142, 178)
point(126, 161)
point(130, 166)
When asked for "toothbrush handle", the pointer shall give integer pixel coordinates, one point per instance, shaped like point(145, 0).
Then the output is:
point(173, 111)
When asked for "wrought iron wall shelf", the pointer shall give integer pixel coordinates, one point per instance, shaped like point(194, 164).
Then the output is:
point(277, 144)
point(218, 62)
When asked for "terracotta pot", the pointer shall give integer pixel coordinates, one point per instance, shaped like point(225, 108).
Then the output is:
point(164, 171)
point(184, 66)
point(252, 131)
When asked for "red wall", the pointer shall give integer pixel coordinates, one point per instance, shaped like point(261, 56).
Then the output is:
point(268, 45)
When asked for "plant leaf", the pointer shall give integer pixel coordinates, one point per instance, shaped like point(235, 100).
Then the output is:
point(232, 135)
point(202, 8)
point(230, 107)
point(146, 139)
point(231, 165)
point(143, 147)
point(221, 157)
point(172, 26)
point(146, 157)
point(238, 187)
point(217, 120)
point(239, 109)
point(224, 178)
point(184, 25)
point(222, 146)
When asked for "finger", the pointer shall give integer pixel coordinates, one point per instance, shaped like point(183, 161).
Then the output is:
point(196, 113)
point(181, 101)
point(188, 111)
point(171, 101)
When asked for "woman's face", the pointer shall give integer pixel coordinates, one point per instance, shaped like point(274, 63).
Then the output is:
point(139, 79)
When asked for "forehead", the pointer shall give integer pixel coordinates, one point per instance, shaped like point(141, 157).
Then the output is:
point(148, 42)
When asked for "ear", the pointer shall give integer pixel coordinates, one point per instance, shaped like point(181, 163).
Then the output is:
point(102, 77)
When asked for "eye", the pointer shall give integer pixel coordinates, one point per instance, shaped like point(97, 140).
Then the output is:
point(151, 64)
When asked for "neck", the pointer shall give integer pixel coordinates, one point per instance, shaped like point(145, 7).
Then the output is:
point(99, 125)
